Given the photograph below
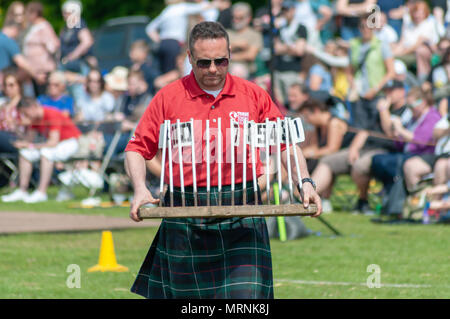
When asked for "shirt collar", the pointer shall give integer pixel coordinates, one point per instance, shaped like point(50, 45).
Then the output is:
point(194, 89)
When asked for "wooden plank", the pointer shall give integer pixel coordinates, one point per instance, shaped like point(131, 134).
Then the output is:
point(227, 211)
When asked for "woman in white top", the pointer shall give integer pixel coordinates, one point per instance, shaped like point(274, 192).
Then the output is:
point(169, 29)
point(95, 103)
point(420, 35)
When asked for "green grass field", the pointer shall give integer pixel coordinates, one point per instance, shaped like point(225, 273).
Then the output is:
point(413, 259)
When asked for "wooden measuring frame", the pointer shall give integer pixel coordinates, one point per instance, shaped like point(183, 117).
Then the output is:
point(227, 211)
point(233, 210)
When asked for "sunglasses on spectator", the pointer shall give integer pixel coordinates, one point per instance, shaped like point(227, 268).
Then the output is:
point(205, 63)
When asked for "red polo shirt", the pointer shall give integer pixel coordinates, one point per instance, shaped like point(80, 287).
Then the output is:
point(54, 119)
point(183, 100)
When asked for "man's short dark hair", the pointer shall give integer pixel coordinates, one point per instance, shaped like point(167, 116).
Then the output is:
point(207, 30)
point(25, 103)
point(312, 104)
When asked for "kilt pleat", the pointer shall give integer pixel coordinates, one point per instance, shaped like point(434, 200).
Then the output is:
point(208, 257)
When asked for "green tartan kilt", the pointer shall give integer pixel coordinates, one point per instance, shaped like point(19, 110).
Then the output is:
point(208, 257)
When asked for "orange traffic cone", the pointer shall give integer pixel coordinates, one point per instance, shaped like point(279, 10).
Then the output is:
point(107, 260)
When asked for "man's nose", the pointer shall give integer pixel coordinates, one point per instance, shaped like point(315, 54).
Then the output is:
point(212, 67)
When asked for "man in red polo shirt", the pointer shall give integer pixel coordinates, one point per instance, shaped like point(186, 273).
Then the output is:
point(61, 142)
point(206, 258)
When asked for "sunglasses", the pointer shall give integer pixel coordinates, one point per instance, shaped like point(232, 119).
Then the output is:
point(205, 63)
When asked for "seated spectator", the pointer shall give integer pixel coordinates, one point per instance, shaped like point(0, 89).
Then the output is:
point(298, 94)
point(95, 103)
point(328, 131)
point(357, 158)
point(245, 42)
point(10, 121)
point(134, 103)
point(439, 9)
point(10, 55)
point(289, 49)
point(16, 14)
point(336, 57)
point(385, 32)
point(419, 39)
point(116, 84)
point(40, 45)
point(140, 59)
point(61, 143)
point(440, 79)
point(56, 94)
point(418, 166)
point(414, 138)
point(181, 70)
point(319, 77)
point(76, 40)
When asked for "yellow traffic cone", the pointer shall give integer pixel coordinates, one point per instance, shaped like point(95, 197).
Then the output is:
point(107, 260)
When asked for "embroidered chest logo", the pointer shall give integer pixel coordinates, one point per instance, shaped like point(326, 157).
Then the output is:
point(239, 117)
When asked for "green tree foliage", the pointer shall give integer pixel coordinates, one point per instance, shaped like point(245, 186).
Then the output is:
point(96, 12)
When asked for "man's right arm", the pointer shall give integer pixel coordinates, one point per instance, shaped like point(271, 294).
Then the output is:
point(136, 171)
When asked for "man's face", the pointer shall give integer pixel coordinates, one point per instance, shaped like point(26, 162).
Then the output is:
point(210, 77)
point(55, 88)
point(296, 98)
point(30, 114)
point(366, 31)
point(240, 20)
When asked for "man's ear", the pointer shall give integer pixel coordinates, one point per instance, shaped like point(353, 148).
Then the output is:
point(189, 56)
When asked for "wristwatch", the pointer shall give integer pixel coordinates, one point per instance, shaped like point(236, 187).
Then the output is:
point(309, 180)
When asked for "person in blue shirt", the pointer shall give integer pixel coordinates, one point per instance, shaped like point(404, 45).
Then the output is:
point(10, 55)
point(56, 94)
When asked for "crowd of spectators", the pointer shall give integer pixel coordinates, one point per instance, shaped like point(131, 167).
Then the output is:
point(371, 80)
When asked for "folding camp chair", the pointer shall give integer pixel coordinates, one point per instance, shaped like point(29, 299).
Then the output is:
point(8, 167)
point(76, 177)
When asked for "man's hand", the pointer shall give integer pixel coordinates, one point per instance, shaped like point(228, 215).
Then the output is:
point(309, 195)
point(141, 197)
point(353, 155)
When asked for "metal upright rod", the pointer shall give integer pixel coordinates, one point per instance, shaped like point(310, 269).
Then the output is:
point(244, 163)
point(180, 159)
point(279, 156)
point(297, 164)
point(208, 168)
point(163, 163)
point(219, 156)
point(252, 146)
point(267, 161)
point(194, 176)
point(232, 161)
point(170, 162)
point(288, 160)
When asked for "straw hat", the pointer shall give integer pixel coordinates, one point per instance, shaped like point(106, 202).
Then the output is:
point(117, 79)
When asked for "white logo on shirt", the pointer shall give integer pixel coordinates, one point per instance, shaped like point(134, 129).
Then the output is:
point(239, 117)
